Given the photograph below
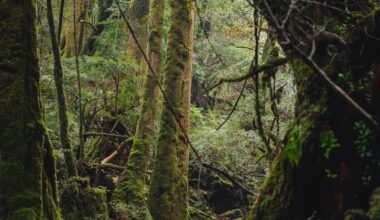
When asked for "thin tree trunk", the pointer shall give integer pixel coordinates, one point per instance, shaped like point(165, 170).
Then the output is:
point(27, 167)
point(138, 14)
point(169, 179)
point(79, 84)
point(183, 149)
point(131, 188)
point(58, 77)
point(60, 20)
point(103, 14)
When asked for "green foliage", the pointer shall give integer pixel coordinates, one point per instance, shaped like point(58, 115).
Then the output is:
point(330, 174)
point(293, 149)
point(345, 79)
point(363, 141)
point(328, 142)
point(374, 210)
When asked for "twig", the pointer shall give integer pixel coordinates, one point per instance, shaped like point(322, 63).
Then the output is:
point(235, 105)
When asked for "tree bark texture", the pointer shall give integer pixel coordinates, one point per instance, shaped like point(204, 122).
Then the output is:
point(167, 198)
point(27, 166)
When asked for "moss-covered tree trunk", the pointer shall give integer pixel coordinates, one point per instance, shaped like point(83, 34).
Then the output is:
point(103, 14)
point(168, 190)
point(183, 148)
point(27, 165)
point(58, 77)
point(138, 15)
point(131, 187)
point(330, 161)
point(82, 30)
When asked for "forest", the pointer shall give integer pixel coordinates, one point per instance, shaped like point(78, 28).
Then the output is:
point(189, 110)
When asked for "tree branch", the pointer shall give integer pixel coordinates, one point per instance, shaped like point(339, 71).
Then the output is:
point(105, 135)
point(257, 69)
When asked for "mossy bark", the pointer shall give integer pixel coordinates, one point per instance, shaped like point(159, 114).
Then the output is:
point(294, 176)
point(321, 173)
point(131, 188)
point(138, 15)
point(27, 166)
point(103, 14)
point(80, 201)
point(168, 190)
point(82, 31)
point(58, 79)
point(183, 149)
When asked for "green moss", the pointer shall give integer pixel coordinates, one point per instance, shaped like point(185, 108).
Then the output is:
point(355, 214)
point(284, 193)
point(24, 214)
point(131, 189)
point(232, 214)
point(28, 185)
point(129, 197)
point(172, 146)
point(294, 148)
point(374, 210)
point(222, 182)
point(156, 26)
point(80, 201)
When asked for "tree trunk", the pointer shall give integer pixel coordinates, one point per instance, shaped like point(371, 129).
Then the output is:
point(82, 31)
point(103, 14)
point(58, 75)
point(329, 163)
point(138, 14)
point(131, 188)
point(167, 198)
point(27, 166)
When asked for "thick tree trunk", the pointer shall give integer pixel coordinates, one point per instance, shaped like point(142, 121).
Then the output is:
point(167, 198)
point(27, 165)
point(131, 188)
point(329, 163)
